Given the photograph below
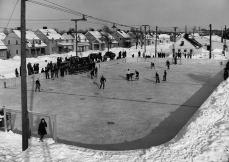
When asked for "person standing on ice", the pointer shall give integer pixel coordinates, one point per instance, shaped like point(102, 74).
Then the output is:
point(168, 64)
point(102, 82)
point(157, 78)
point(38, 85)
point(225, 74)
point(42, 129)
point(164, 76)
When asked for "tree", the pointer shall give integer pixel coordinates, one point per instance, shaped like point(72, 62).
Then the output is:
point(107, 29)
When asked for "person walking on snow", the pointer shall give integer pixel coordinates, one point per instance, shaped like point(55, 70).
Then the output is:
point(102, 82)
point(42, 129)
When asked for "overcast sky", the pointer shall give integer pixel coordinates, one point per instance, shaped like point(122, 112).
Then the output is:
point(164, 13)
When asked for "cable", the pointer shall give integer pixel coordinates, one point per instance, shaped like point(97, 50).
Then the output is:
point(12, 13)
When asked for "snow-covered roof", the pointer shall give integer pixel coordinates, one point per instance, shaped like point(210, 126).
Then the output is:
point(82, 37)
point(96, 34)
point(123, 34)
point(50, 33)
point(165, 36)
point(2, 36)
point(2, 45)
point(66, 36)
point(30, 35)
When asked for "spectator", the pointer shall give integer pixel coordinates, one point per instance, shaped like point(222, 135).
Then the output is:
point(42, 129)
point(102, 82)
point(16, 72)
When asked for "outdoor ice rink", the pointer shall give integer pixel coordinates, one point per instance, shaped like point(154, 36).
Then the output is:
point(126, 114)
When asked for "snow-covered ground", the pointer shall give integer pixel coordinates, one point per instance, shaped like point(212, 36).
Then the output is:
point(204, 138)
point(7, 67)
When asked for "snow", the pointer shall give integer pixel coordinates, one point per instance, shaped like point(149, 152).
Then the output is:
point(2, 45)
point(29, 34)
point(51, 34)
point(204, 138)
point(2, 36)
point(7, 67)
point(164, 36)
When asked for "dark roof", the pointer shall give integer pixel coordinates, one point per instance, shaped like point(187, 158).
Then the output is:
point(192, 41)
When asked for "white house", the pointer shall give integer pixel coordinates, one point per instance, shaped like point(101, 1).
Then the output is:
point(83, 43)
point(96, 40)
point(51, 38)
point(110, 40)
point(66, 44)
point(186, 45)
point(3, 50)
point(164, 38)
point(34, 46)
point(123, 38)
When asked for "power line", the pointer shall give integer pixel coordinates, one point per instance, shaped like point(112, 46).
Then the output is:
point(70, 11)
point(12, 13)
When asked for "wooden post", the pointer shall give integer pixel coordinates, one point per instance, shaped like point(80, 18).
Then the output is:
point(5, 124)
point(210, 50)
point(156, 43)
point(25, 122)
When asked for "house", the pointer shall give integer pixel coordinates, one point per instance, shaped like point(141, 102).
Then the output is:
point(186, 45)
point(51, 38)
point(3, 51)
point(83, 43)
point(123, 38)
point(96, 40)
point(150, 39)
point(66, 44)
point(163, 38)
point(34, 46)
point(110, 40)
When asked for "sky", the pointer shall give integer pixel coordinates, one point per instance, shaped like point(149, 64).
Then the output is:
point(162, 13)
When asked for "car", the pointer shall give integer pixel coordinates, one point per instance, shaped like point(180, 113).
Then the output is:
point(110, 55)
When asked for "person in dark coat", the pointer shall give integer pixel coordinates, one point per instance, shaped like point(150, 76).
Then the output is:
point(152, 65)
point(102, 82)
point(164, 76)
point(38, 85)
point(225, 74)
point(16, 72)
point(157, 78)
point(136, 75)
point(42, 129)
point(168, 64)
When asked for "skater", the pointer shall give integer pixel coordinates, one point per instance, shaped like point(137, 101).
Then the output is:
point(157, 78)
point(168, 64)
point(136, 75)
point(102, 82)
point(38, 85)
point(42, 129)
point(128, 75)
point(16, 72)
point(152, 65)
point(92, 73)
point(164, 76)
point(96, 71)
point(46, 73)
point(139, 54)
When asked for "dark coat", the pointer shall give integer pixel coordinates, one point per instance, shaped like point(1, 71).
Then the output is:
point(42, 128)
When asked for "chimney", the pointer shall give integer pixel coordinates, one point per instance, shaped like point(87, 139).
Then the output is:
point(44, 27)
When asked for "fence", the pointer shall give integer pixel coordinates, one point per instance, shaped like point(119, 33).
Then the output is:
point(11, 119)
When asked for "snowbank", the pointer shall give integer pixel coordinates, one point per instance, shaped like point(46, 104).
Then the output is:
point(204, 138)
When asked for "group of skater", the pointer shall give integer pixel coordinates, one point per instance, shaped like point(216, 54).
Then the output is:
point(157, 76)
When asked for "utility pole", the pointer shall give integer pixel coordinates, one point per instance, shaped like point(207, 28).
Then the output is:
point(225, 41)
point(156, 43)
point(145, 39)
point(174, 53)
point(76, 20)
point(210, 50)
point(25, 118)
point(186, 31)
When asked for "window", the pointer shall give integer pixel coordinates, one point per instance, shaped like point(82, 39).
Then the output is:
point(182, 43)
point(16, 42)
point(8, 41)
point(16, 51)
